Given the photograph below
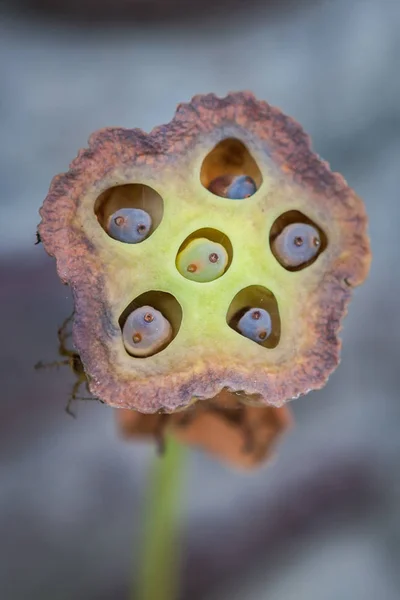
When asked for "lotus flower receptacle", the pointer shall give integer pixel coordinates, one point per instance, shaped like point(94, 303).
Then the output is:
point(233, 193)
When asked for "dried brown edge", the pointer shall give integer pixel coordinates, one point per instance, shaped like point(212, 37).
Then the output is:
point(243, 436)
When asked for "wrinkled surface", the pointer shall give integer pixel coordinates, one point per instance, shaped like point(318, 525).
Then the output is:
point(235, 433)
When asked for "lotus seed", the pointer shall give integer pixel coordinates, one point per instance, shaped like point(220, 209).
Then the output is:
point(256, 325)
point(202, 260)
point(234, 187)
point(146, 332)
point(297, 244)
point(129, 225)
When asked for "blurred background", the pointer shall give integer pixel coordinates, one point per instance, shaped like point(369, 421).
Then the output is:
point(323, 521)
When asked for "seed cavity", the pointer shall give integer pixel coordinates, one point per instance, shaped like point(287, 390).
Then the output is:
point(230, 171)
point(130, 228)
point(296, 241)
point(254, 314)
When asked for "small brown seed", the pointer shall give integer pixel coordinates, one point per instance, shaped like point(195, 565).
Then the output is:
point(119, 221)
point(213, 258)
point(191, 268)
point(148, 317)
point(136, 338)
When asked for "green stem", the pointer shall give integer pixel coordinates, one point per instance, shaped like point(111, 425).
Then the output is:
point(159, 571)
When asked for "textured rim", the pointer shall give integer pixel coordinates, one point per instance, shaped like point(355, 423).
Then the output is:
point(77, 265)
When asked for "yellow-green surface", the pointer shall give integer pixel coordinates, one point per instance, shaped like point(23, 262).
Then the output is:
point(204, 336)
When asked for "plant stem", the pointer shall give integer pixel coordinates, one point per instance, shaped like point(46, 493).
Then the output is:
point(159, 575)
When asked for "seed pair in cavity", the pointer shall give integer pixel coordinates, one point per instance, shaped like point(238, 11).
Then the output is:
point(202, 260)
point(129, 225)
point(296, 245)
point(146, 331)
point(234, 187)
point(256, 325)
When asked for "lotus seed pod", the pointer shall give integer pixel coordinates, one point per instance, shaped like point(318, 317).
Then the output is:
point(129, 225)
point(256, 325)
point(297, 244)
point(146, 332)
point(202, 260)
point(235, 187)
point(208, 137)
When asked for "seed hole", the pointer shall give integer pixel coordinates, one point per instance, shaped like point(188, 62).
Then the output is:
point(230, 171)
point(150, 323)
point(129, 213)
point(296, 241)
point(254, 313)
point(204, 256)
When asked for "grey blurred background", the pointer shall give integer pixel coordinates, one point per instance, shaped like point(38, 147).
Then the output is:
point(321, 523)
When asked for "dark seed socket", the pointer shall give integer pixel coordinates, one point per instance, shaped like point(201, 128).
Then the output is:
point(213, 258)
point(148, 317)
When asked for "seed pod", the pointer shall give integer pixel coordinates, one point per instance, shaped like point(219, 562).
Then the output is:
point(129, 225)
point(146, 332)
point(202, 260)
point(296, 245)
point(205, 355)
point(234, 187)
point(256, 325)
